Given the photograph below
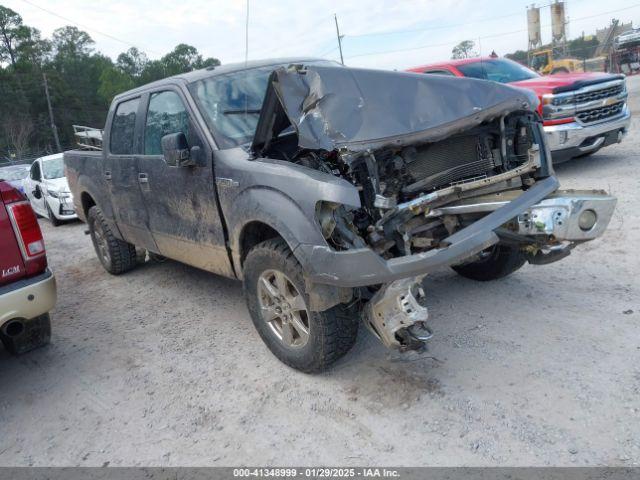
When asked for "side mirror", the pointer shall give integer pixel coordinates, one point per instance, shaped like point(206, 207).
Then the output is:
point(37, 193)
point(177, 153)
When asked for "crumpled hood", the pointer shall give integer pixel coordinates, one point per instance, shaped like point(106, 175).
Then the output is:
point(358, 109)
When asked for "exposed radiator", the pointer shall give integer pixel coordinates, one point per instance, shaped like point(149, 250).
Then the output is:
point(448, 161)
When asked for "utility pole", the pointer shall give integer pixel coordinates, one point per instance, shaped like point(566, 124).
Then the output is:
point(246, 37)
point(335, 17)
point(53, 125)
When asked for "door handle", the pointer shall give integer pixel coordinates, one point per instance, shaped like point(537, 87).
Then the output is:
point(142, 178)
point(107, 175)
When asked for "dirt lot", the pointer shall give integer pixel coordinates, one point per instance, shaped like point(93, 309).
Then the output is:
point(162, 366)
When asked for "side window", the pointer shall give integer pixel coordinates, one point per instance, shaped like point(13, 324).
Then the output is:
point(123, 128)
point(439, 72)
point(35, 172)
point(166, 114)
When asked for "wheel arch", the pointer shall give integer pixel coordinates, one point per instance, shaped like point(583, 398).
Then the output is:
point(86, 201)
point(253, 233)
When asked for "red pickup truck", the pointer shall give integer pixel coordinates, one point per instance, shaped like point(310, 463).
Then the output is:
point(27, 286)
point(582, 112)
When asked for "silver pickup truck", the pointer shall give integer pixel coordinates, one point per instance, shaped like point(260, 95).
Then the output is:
point(330, 192)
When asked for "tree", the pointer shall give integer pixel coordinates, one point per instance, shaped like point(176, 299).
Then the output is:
point(583, 47)
point(113, 81)
point(72, 42)
point(464, 49)
point(10, 25)
point(132, 62)
point(185, 58)
point(519, 56)
point(18, 130)
point(81, 81)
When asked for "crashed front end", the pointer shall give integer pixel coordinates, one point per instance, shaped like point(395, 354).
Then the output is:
point(445, 170)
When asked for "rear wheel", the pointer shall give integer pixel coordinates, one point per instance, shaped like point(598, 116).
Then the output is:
point(274, 290)
point(116, 256)
point(496, 262)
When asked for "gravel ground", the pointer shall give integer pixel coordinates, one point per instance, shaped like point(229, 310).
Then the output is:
point(162, 366)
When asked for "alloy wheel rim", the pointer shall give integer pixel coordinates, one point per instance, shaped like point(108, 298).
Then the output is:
point(100, 242)
point(283, 308)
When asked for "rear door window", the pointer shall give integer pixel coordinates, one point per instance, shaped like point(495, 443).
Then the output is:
point(166, 114)
point(123, 128)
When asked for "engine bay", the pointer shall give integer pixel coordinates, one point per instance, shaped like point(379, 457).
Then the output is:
point(398, 187)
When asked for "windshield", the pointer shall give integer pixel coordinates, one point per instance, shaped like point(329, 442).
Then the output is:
point(231, 103)
point(498, 70)
point(12, 174)
point(53, 168)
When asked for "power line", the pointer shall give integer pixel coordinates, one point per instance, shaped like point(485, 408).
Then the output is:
point(501, 34)
point(427, 29)
point(439, 27)
point(86, 27)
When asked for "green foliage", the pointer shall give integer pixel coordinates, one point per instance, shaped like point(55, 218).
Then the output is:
point(577, 48)
point(519, 56)
point(82, 82)
point(113, 81)
point(464, 49)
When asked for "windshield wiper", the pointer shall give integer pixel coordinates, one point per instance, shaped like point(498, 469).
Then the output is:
point(248, 110)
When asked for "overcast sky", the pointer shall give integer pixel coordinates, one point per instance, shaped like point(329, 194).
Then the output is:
point(430, 28)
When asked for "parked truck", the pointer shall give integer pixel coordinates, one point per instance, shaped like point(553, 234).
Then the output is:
point(330, 192)
point(581, 112)
point(27, 286)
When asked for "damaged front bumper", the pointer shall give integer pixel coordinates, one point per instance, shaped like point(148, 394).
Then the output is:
point(567, 216)
point(550, 222)
point(362, 267)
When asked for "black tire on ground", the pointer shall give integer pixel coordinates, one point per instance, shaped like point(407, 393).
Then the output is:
point(23, 337)
point(497, 262)
point(52, 218)
point(116, 256)
point(331, 333)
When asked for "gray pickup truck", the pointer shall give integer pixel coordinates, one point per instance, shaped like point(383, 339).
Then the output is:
point(330, 192)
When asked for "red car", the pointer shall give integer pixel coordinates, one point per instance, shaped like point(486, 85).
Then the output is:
point(582, 112)
point(27, 286)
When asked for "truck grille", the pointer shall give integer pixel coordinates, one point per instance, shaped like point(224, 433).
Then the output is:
point(598, 94)
point(600, 113)
point(452, 160)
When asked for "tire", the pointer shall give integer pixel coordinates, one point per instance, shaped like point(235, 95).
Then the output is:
point(20, 338)
point(52, 218)
point(116, 256)
point(329, 334)
point(499, 261)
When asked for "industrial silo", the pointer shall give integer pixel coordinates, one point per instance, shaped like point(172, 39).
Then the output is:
point(533, 25)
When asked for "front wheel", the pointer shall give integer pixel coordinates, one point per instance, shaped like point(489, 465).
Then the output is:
point(496, 262)
point(52, 218)
point(274, 290)
point(116, 256)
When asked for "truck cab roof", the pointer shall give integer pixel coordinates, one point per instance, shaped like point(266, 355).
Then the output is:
point(195, 75)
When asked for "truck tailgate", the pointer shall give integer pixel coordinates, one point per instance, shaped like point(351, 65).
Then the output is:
point(11, 264)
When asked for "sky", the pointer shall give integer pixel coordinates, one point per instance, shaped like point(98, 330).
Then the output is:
point(389, 34)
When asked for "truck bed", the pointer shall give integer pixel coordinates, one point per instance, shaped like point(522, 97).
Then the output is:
point(84, 168)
